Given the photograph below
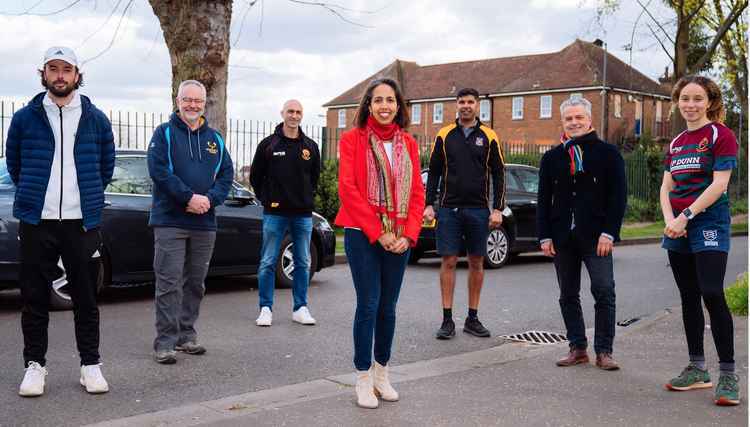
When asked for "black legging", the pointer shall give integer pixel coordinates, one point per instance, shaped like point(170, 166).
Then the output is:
point(702, 275)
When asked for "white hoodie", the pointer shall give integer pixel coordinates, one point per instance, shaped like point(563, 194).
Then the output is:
point(63, 200)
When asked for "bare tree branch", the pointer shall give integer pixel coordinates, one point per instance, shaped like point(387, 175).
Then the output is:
point(671, 58)
point(114, 36)
point(655, 21)
point(333, 9)
point(28, 12)
point(250, 5)
point(114, 9)
point(720, 32)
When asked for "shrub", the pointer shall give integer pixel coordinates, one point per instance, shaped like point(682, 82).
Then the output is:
point(738, 206)
point(737, 295)
point(640, 210)
point(327, 193)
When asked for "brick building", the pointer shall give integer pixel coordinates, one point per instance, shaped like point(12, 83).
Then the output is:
point(520, 96)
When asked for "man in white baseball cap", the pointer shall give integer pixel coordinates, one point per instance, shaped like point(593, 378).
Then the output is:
point(59, 202)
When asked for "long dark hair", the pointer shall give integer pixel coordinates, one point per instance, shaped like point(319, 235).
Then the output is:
point(363, 111)
point(715, 110)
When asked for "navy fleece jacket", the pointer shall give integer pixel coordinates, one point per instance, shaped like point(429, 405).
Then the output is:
point(183, 162)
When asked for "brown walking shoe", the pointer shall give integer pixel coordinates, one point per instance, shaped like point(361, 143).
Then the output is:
point(606, 362)
point(575, 356)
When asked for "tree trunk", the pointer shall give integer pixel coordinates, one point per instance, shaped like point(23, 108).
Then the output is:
point(681, 47)
point(197, 36)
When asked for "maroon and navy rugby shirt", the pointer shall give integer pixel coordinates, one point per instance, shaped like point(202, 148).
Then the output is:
point(692, 158)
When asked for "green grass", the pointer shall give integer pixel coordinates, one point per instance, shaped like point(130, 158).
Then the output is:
point(656, 229)
point(737, 296)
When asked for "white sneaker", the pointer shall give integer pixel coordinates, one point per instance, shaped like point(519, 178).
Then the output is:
point(33, 380)
point(302, 315)
point(93, 380)
point(265, 318)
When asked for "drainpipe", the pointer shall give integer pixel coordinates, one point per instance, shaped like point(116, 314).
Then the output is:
point(605, 101)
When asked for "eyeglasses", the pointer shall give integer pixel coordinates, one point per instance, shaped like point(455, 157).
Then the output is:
point(198, 101)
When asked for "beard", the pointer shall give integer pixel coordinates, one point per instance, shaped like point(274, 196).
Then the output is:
point(61, 92)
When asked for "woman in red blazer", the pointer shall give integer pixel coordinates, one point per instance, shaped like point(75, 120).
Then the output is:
point(382, 199)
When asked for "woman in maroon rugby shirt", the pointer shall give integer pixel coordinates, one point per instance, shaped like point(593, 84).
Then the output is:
point(695, 206)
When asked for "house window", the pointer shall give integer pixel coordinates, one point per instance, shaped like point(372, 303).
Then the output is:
point(342, 118)
point(517, 108)
point(545, 106)
point(658, 111)
point(485, 110)
point(416, 113)
point(576, 95)
point(437, 113)
point(618, 106)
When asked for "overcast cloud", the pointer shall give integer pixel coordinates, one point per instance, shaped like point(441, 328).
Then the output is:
point(302, 51)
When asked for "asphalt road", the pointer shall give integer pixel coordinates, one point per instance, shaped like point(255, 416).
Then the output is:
point(242, 357)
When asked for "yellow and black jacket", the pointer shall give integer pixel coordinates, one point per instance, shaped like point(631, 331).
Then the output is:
point(463, 166)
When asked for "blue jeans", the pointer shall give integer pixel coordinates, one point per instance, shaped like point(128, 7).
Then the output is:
point(274, 230)
point(601, 271)
point(377, 276)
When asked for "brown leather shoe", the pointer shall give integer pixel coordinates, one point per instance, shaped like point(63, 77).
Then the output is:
point(575, 356)
point(606, 362)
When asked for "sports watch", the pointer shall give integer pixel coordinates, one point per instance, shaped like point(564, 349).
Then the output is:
point(688, 213)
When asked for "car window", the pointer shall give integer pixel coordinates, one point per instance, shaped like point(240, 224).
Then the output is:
point(529, 179)
point(510, 182)
point(5, 182)
point(130, 176)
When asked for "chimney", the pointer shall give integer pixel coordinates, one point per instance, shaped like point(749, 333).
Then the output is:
point(598, 43)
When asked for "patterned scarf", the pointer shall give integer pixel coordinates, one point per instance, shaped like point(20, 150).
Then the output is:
point(574, 151)
point(389, 183)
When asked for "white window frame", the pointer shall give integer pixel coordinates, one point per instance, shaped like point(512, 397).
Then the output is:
point(517, 108)
point(617, 101)
point(437, 112)
point(658, 112)
point(485, 110)
point(416, 114)
point(342, 118)
point(545, 109)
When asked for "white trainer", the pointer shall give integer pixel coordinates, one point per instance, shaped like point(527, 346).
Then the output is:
point(33, 380)
point(302, 315)
point(265, 318)
point(93, 380)
point(365, 392)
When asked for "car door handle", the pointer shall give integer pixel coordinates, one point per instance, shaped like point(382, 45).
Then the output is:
point(107, 203)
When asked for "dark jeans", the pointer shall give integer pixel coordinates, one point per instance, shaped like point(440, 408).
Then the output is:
point(702, 275)
point(377, 276)
point(42, 246)
point(601, 271)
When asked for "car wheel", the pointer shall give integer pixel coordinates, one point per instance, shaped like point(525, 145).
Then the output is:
point(59, 294)
point(498, 249)
point(285, 264)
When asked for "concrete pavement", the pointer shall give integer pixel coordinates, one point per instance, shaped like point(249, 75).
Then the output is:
point(511, 384)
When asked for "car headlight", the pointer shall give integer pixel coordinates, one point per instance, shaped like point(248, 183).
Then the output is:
point(323, 224)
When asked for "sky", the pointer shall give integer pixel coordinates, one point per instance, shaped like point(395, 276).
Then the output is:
point(282, 50)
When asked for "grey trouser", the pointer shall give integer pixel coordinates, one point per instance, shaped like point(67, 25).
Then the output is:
point(181, 260)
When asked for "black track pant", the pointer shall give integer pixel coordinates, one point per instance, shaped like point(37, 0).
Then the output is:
point(702, 275)
point(42, 246)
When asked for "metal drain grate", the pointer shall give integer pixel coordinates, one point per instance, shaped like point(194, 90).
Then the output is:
point(536, 337)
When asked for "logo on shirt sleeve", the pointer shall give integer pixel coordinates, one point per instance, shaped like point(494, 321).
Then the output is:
point(211, 147)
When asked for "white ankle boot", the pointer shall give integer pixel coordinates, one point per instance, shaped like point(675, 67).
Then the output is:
point(365, 394)
point(382, 384)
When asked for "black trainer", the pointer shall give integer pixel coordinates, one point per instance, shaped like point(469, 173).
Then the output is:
point(474, 326)
point(447, 330)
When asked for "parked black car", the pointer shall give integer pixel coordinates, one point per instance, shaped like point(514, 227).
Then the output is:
point(129, 242)
point(518, 231)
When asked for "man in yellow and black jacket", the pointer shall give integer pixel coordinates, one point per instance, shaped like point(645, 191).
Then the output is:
point(465, 162)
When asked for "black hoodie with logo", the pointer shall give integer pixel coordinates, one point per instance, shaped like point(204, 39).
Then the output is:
point(285, 173)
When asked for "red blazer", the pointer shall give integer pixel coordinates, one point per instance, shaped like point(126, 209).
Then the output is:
point(354, 210)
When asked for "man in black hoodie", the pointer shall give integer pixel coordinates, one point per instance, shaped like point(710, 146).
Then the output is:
point(284, 175)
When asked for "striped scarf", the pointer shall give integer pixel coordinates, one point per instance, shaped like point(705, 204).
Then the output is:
point(389, 183)
point(575, 152)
